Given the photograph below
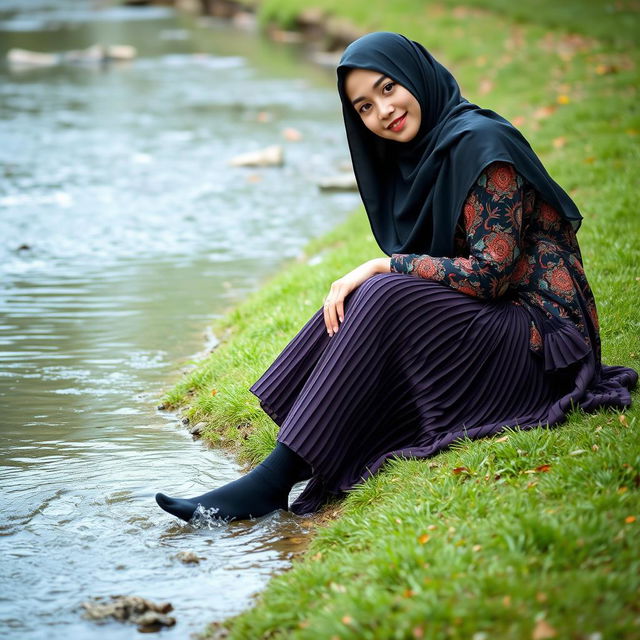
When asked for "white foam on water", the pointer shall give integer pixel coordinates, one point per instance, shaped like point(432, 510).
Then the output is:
point(206, 518)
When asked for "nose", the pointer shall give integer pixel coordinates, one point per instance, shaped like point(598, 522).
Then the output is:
point(385, 110)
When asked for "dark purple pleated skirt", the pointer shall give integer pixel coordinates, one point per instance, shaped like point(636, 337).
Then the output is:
point(414, 366)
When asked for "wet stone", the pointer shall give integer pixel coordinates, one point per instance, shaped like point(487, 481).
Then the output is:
point(188, 557)
point(197, 429)
point(148, 615)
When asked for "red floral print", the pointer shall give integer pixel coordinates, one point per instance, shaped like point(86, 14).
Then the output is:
point(500, 246)
point(535, 339)
point(429, 269)
point(560, 281)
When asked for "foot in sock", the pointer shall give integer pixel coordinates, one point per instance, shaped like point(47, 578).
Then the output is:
point(261, 491)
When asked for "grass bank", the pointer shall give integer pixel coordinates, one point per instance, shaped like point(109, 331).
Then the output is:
point(527, 535)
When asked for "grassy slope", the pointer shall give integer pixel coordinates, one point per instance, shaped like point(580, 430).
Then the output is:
point(420, 551)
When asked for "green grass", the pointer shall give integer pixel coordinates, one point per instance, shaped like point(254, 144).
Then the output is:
point(511, 547)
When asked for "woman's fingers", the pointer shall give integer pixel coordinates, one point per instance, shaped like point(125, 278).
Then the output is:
point(334, 308)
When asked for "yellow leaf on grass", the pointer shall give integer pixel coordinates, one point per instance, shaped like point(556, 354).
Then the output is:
point(623, 420)
point(423, 538)
point(559, 142)
point(347, 619)
point(543, 630)
point(630, 519)
point(563, 99)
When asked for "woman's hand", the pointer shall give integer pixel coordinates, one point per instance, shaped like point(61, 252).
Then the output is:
point(340, 289)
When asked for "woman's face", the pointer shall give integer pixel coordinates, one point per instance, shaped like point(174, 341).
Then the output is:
point(386, 107)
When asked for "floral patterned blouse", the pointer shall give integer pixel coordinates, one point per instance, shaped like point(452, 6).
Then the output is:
point(511, 244)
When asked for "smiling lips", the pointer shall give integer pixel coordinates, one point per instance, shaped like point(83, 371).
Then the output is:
point(398, 123)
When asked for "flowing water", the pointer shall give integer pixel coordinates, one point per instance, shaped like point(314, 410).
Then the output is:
point(123, 233)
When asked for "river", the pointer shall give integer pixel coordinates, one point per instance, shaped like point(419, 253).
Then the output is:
point(123, 233)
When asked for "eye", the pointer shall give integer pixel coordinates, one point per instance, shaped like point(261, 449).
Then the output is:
point(388, 87)
point(364, 108)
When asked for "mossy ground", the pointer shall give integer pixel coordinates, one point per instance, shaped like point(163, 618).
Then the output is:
point(529, 535)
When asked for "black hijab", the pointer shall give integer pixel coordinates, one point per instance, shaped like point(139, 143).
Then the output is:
point(413, 192)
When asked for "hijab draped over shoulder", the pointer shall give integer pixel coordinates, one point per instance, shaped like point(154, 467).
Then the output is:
point(413, 192)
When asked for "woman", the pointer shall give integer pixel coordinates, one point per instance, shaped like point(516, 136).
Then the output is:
point(481, 317)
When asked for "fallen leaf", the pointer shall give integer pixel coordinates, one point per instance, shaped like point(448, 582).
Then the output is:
point(541, 596)
point(543, 468)
point(408, 593)
point(418, 632)
point(558, 143)
point(563, 99)
point(518, 121)
point(594, 447)
point(477, 547)
point(589, 160)
point(543, 112)
point(506, 601)
point(623, 420)
point(577, 452)
point(213, 392)
point(603, 69)
point(630, 519)
point(347, 619)
point(543, 630)
point(531, 484)
point(486, 86)
point(632, 132)
point(431, 527)
point(303, 624)
point(459, 470)
point(622, 489)
point(503, 439)
point(292, 135)
point(423, 539)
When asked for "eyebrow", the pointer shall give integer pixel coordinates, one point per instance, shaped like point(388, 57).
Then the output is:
point(375, 84)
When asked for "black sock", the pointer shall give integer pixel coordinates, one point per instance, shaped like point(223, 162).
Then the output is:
point(259, 492)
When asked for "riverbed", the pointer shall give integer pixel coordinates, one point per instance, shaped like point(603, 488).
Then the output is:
point(123, 233)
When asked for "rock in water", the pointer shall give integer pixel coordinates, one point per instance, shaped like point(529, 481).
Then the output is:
point(25, 58)
point(197, 429)
point(268, 157)
point(341, 182)
point(149, 616)
point(188, 557)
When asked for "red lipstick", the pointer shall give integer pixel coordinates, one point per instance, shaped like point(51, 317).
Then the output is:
point(398, 124)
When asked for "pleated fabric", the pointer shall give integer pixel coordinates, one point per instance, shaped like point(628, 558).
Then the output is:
point(415, 366)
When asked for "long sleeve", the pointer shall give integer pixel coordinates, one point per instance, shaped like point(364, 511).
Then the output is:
point(492, 220)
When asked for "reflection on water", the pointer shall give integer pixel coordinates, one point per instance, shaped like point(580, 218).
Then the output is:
point(123, 232)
